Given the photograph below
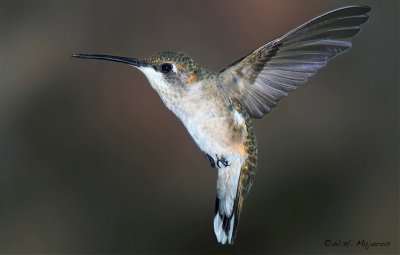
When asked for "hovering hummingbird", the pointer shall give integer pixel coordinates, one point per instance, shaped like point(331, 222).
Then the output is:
point(216, 108)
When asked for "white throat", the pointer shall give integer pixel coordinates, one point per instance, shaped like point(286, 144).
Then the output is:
point(157, 81)
point(155, 78)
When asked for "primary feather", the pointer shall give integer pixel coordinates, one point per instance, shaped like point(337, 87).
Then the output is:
point(266, 75)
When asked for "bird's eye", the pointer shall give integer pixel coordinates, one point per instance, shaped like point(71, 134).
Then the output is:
point(166, 68)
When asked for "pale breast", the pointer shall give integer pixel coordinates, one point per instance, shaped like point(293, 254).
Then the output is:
point(215, 128)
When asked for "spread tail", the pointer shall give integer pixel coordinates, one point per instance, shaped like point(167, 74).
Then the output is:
point(228, 204)
point(225, 226)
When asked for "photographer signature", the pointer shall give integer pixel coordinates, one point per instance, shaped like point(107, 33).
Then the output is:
point(358, 243)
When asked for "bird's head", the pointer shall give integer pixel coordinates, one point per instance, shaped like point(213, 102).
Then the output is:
point(168, 72)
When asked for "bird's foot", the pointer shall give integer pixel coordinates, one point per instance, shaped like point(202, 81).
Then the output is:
point(210, 160)
point(222, 161)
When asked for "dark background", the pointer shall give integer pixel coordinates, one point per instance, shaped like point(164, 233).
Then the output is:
point(92, 161)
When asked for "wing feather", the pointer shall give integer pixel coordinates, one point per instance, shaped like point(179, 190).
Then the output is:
point(265, 76)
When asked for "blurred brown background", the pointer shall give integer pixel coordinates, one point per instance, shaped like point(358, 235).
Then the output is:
point(92, 161)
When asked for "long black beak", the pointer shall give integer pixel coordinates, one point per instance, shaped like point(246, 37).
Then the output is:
point(130, 61)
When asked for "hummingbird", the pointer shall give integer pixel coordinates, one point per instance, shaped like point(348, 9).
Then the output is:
point(217, 108)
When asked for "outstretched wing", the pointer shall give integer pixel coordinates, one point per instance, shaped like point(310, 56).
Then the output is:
point(265, 76)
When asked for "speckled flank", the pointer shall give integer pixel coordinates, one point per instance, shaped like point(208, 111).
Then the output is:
point(248, 170)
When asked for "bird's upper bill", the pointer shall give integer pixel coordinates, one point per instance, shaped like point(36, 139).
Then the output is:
point(130, 61)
